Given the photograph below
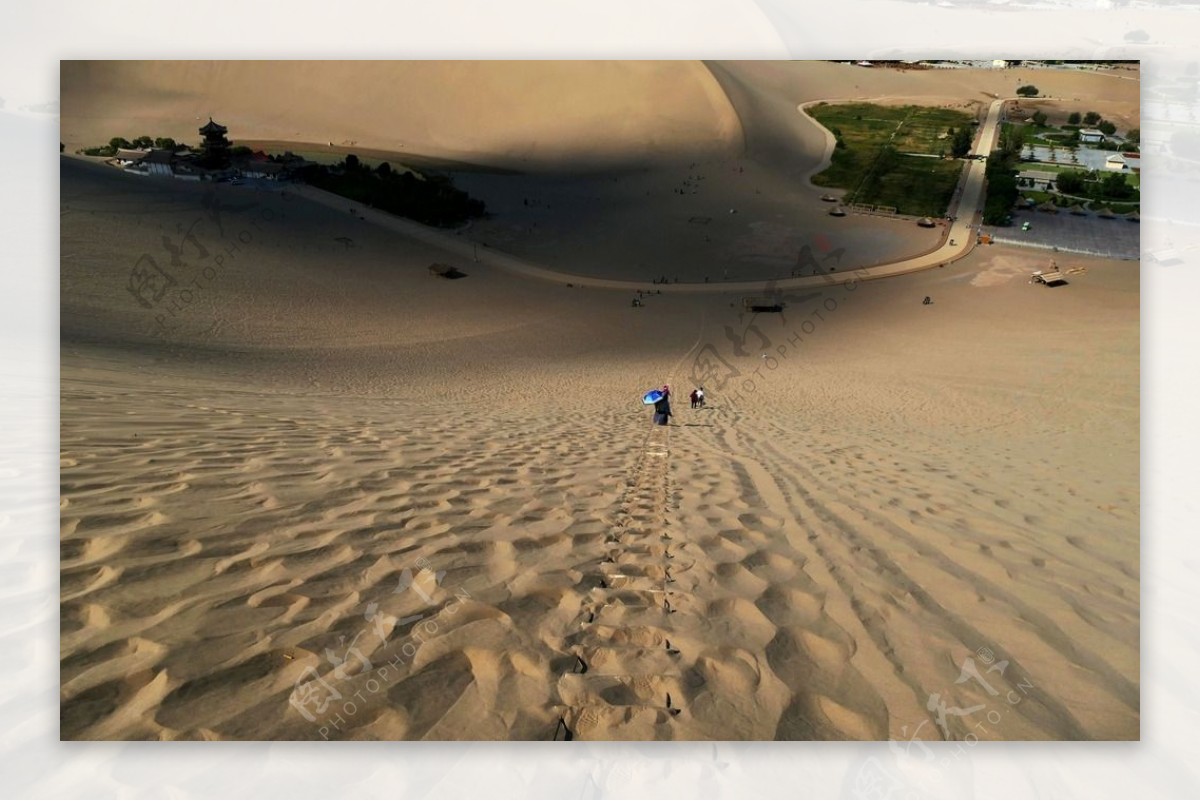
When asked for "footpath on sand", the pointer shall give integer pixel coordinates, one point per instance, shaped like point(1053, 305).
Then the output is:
point(965, 210)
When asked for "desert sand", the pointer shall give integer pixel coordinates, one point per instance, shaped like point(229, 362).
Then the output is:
point(439, 508)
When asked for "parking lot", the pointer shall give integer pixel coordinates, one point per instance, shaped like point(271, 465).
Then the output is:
point(1117, 238)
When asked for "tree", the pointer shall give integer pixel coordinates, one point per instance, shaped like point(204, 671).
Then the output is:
point(352, 163)
point(1091, 118)
point(384, 170)
point(1039, 119)
point(960, 145)
point(1107, 128)
point(165, 143)
point(1012, 140)
point(1134, 136)
point(1028, 90)
point(1074, 118)
point(1113, 186)
point(143, 142)
point(1071, 182)
point(118, 142)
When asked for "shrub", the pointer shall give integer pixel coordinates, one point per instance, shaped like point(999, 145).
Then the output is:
point(1028, 90)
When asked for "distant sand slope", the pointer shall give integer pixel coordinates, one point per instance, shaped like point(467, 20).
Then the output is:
point(505, 113)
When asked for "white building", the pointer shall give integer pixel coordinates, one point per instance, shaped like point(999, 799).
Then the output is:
point(1090, 135)
point(126, 157)
point(1115, 162)
point(999, 64)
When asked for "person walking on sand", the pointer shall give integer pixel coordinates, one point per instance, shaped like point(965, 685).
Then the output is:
point(695, 398)
point(700, 397)
point(662, 409)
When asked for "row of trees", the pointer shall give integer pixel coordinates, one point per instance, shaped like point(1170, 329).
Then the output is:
point(141, 142)
point(1111, 186)
point(1090, 119)
point(1002, 192)
point(431, 199)
point(1105, 127)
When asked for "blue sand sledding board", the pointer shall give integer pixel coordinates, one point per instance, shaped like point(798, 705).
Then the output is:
point(652, 397)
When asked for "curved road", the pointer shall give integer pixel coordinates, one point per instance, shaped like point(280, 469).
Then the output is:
point(966, 210)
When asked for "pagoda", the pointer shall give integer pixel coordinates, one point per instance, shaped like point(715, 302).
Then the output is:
point(214, 147)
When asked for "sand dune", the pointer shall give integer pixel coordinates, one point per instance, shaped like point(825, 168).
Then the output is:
point(503, 113)
point(329, 458)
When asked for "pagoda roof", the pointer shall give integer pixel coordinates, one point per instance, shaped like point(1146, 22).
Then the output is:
point(213, 128)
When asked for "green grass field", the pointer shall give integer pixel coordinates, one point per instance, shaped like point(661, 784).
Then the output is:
point(872, 174)
point(1039, 166)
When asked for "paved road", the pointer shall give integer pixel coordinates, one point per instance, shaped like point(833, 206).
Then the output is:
point(967, 209)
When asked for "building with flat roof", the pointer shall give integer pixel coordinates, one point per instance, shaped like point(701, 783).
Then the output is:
point(270, 170)
point(158, 162)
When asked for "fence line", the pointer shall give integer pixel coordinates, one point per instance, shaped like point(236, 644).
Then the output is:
point(1107, 254)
